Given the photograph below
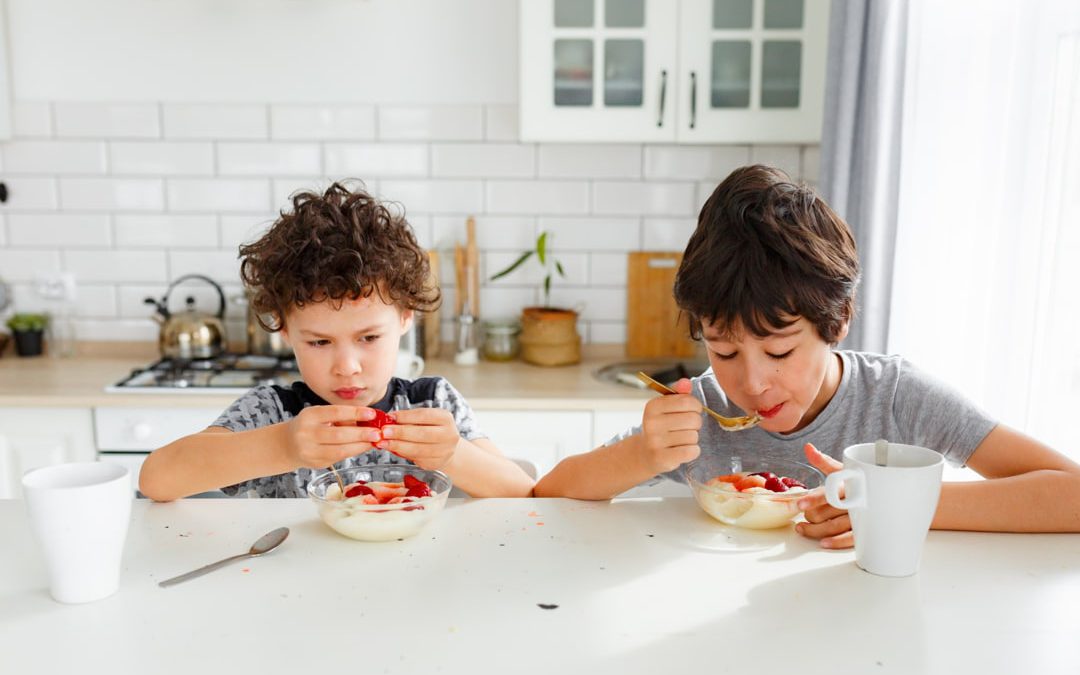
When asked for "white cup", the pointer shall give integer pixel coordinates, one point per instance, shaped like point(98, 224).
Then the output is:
point(891, 507)
point(80, 513)
point(409, 365)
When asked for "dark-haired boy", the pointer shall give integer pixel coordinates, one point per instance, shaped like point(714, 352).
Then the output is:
point(768, 280)
point(341, 275)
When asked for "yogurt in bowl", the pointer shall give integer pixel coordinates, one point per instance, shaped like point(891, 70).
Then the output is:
point(382, 502)
point(755, 493)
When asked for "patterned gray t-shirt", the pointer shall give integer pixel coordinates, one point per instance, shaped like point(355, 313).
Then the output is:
point(266, 404)
point(878, 397)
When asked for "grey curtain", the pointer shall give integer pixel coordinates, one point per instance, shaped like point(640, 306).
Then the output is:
point(860, 146)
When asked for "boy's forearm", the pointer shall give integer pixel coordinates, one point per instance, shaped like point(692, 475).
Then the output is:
point(212, 459)
point(600, 474)
point(1037, 501)
point(473, 470)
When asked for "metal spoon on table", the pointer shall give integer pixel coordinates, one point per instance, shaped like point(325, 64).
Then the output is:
point(266, 543)
point(726, 423)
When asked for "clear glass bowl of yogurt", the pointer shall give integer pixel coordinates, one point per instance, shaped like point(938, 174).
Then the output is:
point(751, 492)
point(385, 510)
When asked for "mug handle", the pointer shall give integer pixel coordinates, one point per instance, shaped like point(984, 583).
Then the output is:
point(854, 483)
point(417, 366)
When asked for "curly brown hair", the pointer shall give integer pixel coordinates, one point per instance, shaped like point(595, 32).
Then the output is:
point(342, 244)
point(766, 249)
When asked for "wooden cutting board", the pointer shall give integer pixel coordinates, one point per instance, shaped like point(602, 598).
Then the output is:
point(653, 325)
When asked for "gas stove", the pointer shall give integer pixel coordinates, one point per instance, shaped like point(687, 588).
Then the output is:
point(224, 374)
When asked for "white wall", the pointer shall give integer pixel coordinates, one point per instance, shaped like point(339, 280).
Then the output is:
point(151, 137)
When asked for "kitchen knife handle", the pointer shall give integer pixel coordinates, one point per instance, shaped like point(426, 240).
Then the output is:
point(663, 97)
point(693, 99)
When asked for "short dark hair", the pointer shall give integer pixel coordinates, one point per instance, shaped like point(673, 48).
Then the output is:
point(341, 244)
point(765, 250)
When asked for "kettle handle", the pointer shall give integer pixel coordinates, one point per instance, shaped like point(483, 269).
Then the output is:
point(221, 294)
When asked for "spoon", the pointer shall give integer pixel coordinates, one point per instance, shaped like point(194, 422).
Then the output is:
point(726, 423)
point(266, 543)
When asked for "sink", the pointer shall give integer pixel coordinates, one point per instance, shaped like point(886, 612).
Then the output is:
point(667, 371)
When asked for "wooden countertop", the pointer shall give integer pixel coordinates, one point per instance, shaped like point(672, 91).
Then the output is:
point(80, 381)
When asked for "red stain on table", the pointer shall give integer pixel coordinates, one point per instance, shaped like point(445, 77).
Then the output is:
point(245, 570)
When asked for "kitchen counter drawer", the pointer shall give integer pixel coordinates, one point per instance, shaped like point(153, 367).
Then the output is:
point(142, 429)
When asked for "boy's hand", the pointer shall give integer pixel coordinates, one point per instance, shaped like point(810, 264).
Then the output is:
point(326, 434)
point(823, 520)
point(669, 428)
point(425, 436)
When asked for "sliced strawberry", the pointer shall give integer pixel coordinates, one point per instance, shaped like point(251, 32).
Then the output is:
point(791, 482)
point(411, 481)
point(421, 490)
point(730, 478)
point(401, 500)
point(750, 482)
point(775, 484)
point(357, 490)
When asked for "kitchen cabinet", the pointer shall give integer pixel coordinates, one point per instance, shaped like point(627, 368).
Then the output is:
point(36, 437)
point(673, 71)
point(541, 436)
point(5, 77)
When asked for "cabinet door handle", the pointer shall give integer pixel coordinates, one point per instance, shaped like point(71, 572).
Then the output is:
point(693, 99)
point(663, 97)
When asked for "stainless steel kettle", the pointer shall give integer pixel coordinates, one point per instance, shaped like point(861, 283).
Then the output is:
point(190, 334)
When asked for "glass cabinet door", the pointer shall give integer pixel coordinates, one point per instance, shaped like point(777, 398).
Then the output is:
point(598, 69)
point(752, 70)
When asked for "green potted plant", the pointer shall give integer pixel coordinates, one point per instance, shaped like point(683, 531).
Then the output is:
point(549, 334)
point(28, 329)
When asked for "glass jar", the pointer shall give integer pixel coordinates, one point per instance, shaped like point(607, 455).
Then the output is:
point(500, 340)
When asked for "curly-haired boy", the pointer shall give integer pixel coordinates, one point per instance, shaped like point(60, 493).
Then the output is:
point(341, 277)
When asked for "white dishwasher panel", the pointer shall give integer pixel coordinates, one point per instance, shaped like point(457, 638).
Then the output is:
point(145, 429)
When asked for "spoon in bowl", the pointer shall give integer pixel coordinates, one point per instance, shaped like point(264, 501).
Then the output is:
point(266, 543)
point(726, 423)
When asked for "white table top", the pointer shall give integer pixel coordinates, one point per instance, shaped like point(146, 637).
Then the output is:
point(642, 586)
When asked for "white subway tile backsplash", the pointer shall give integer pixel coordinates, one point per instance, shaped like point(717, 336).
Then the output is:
point(501, 123)
point(221, 266)
point(243, 229)
point(643, 199)
point(607, 269)
point(694, 163)
point(30, 194)
point(112, 194)
point(59, 230)
point(434, 196)
point(786, 157)
point(218, 194)
point(667, 234)
point(590, 161)
point(376, 160)
point(166, 231)
point(116, 265)
point(431, 123)
point(322, 122)
point(169, 158)
point(31, 119)
point(128, 196)
point(541, 197)
point(107, 120)
point(216, 121)
point(55, 157)
point(811, 163)
point(480, 160)
point(275, 159)
point(592, 234)
point(515, 233)
point(25, 265)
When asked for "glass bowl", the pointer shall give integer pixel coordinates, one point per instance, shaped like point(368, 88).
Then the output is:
point(757, 509)
point(378, 522)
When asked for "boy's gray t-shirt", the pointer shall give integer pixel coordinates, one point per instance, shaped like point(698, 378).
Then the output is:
point(266, 404)
point(879, 397)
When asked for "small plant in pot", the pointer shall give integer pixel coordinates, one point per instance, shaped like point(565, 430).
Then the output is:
point(549, 334)
point(29, 332)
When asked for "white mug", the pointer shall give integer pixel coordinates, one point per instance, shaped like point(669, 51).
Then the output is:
point(891, 507)
point(80, 513)
point(409, 365)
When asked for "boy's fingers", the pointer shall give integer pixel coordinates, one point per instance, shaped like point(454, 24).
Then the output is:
point(422, 416)
point(683, 386)
point(845, 540)
point(821, 461)
point(828, 528)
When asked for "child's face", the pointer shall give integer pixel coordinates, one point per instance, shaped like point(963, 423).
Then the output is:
point(347, 355)
point(786, 377)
